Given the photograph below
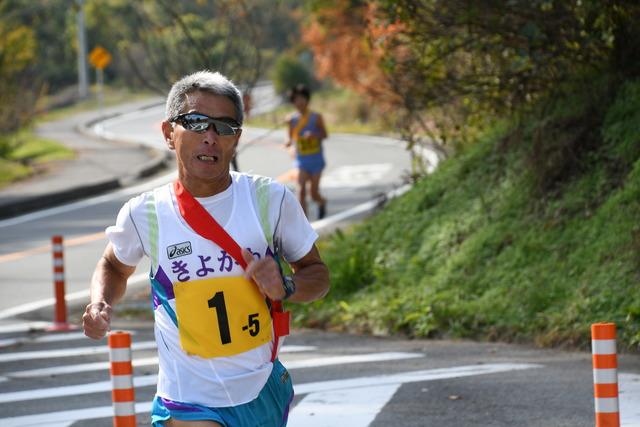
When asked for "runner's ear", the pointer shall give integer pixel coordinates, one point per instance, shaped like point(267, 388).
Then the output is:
point(167, 133)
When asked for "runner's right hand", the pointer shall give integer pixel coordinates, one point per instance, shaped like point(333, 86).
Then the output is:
point(96, 320)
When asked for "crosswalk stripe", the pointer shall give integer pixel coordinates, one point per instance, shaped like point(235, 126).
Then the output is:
point(75, 369)
point(68, 416)
point(83, 351)
point(149, 380)
point(350, 407)
point(150, 361)
point(412, 376)
point(71, 390)
point(347, 359)
point(307, 388)
point(70, 352)
point(44, 339)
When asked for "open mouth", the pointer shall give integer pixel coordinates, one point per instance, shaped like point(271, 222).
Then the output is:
point(205, 158)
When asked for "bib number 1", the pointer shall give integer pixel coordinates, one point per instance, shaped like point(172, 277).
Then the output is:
point(217, 302)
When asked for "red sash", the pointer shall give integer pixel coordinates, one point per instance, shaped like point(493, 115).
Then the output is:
point(205, 225)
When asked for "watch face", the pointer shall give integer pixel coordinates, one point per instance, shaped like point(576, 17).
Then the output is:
point(289, 286)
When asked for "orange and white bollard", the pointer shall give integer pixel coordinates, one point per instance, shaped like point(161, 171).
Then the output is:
point(605, 374)
point(122, 395)
point(60, 316)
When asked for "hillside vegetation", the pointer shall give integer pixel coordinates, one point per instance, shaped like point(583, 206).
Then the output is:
point(530, 234)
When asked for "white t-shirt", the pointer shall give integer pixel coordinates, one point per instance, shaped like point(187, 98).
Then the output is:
point(224, 380)
point(293, 231)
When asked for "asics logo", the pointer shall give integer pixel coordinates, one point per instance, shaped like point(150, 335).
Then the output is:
point(178, 250)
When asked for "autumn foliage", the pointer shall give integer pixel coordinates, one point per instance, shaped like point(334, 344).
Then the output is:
point(349, 44)
point(444, 65)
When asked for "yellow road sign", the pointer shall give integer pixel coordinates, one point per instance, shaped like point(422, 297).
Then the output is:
point(99, 57)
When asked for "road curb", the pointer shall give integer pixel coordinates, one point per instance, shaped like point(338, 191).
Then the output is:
point(159, 160)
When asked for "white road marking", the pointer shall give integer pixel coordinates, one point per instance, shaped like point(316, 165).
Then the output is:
point(82, 351)
point(70, 297)
point(78, 351)
point(151, 361)
point(412, 376)
point(322, 386)
point(46, 338)
point(347, 359)
point(24, 327)
point(355, 176)
point(36, 305)
point(350, 407)
point(361, 384)
point(68, 416)
point(629, 400)
point(71, 390)
point(75, 369)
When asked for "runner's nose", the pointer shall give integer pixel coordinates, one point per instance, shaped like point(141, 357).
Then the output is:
point(210, 135)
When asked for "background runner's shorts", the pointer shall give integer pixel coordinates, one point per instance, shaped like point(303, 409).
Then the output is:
point(269, 409)
point(312, 164)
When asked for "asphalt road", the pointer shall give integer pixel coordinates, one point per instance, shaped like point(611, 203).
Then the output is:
point(340, 380)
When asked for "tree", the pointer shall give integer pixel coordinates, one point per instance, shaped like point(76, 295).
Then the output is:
point(17, 52)
point(289, 71)
point(160, 41)
point(469, 60)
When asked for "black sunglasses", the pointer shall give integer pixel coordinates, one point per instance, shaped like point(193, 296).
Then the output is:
point(197, 122)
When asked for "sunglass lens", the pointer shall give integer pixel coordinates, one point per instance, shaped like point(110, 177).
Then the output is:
point(195, 122)
point(223, 128)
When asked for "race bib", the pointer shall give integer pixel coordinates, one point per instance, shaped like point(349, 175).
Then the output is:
point(222, 316)
point(308, 145)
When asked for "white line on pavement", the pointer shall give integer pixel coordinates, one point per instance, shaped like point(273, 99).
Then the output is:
point(71, 390)
point(629, 399)
point(413, 376)
point(83, 351)
point(45, 338)
point(75, 369)
point(316, 387)
point(322, 386)
point(68, 416)
point(24, 327)
point(150, 361)
point(347, 359)
point(350, 407)
point(74, 296)
point(70, 352)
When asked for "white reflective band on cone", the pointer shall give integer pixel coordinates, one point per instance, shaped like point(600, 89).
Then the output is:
point(57, 248)
point(58, 262)
point(58, 277)
point(122, 382)
point(607, 404)
point(603, 346)
point(120, 354)
point(605, 376)
point(122, 409)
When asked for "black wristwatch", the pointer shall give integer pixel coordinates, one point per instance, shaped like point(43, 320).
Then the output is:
point(289, 286)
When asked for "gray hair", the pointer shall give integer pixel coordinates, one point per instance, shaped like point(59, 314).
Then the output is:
point(205, 81)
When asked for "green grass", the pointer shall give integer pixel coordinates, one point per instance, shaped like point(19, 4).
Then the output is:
point(477, 251)
point(22, 152)
point(343, 112)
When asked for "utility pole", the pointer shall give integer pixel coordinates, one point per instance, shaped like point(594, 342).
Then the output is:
point(83, 72)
